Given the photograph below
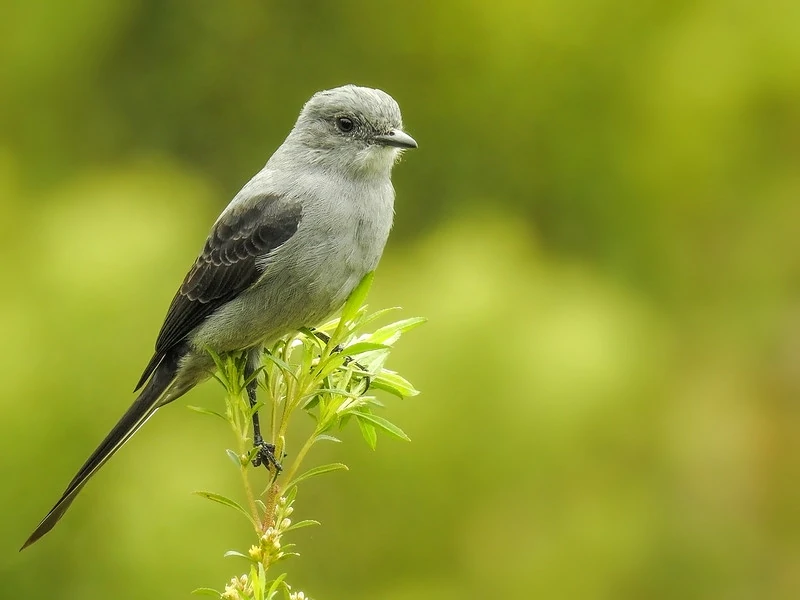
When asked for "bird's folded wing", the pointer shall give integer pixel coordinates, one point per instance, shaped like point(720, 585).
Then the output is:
point(227, 266)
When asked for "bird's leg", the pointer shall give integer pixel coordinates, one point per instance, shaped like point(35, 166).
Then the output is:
point(266, 452)
point(325, 338)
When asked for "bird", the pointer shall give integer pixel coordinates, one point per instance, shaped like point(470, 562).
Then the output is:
point(284, 254)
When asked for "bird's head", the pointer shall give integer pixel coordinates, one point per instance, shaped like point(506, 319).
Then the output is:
point(352, 129)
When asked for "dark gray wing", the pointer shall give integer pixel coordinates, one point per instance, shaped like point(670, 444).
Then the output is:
point(226, 267)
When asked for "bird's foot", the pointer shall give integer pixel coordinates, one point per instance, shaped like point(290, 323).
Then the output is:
point(266, 456)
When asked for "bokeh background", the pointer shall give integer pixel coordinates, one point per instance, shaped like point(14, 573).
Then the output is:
point(602, 224)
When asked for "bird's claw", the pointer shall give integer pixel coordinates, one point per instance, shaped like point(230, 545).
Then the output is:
point(266, 456)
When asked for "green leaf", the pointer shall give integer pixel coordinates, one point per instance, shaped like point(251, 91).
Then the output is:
point(251, 454)
point(234, 457)
point(290, 495)
point(204, 591)
point(327, 328)
point(301, 524)
point(334, 391)
point(257, 579)
point(277, 347)
point(359, 316)
point(391, 382)
point(282, 365)
point(217, 360)
point(312, 337)
point(253, 376)
point(379, 385)
point(325, 437)
point(223, 381)
point(374, 316)
point(310, 403)
point(330, 365)
point(273, 589)
point(326, 422)
point(383, 425)
point(237, 554)
point(307, 357)
point(285, 555)
point(316, 471)
point(206, 411)
point(368, 432)
point(308, 332)
point(362, 347)
point(227, 502)
point(357, 297)
point(256, 407)
point(388, 334)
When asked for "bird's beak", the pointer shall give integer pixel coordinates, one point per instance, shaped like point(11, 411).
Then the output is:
point(397, 139)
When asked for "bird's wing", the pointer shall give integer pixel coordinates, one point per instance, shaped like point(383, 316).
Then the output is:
point(227, 266)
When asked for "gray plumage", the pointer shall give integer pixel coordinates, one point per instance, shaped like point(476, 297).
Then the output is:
point(284, 254)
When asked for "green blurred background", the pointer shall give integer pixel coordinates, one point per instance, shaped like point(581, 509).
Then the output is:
point(602, 224)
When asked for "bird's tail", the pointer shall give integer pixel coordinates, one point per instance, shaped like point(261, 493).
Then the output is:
point(142, 409)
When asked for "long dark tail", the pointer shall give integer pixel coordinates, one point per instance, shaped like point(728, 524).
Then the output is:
point(142, 409)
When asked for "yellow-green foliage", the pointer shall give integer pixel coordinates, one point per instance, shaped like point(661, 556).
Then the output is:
point(601, 225)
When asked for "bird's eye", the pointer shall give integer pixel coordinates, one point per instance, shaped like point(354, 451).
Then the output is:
point(345, 124)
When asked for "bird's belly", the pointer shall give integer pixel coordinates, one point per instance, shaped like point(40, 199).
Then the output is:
point(306, 281)
point(283, 302)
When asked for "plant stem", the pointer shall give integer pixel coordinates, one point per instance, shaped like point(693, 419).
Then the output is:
point(236, 402)
point(300, 456)
point(248, 492)
point(272, 495)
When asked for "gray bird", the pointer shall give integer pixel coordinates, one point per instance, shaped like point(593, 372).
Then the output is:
point(284, 254)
